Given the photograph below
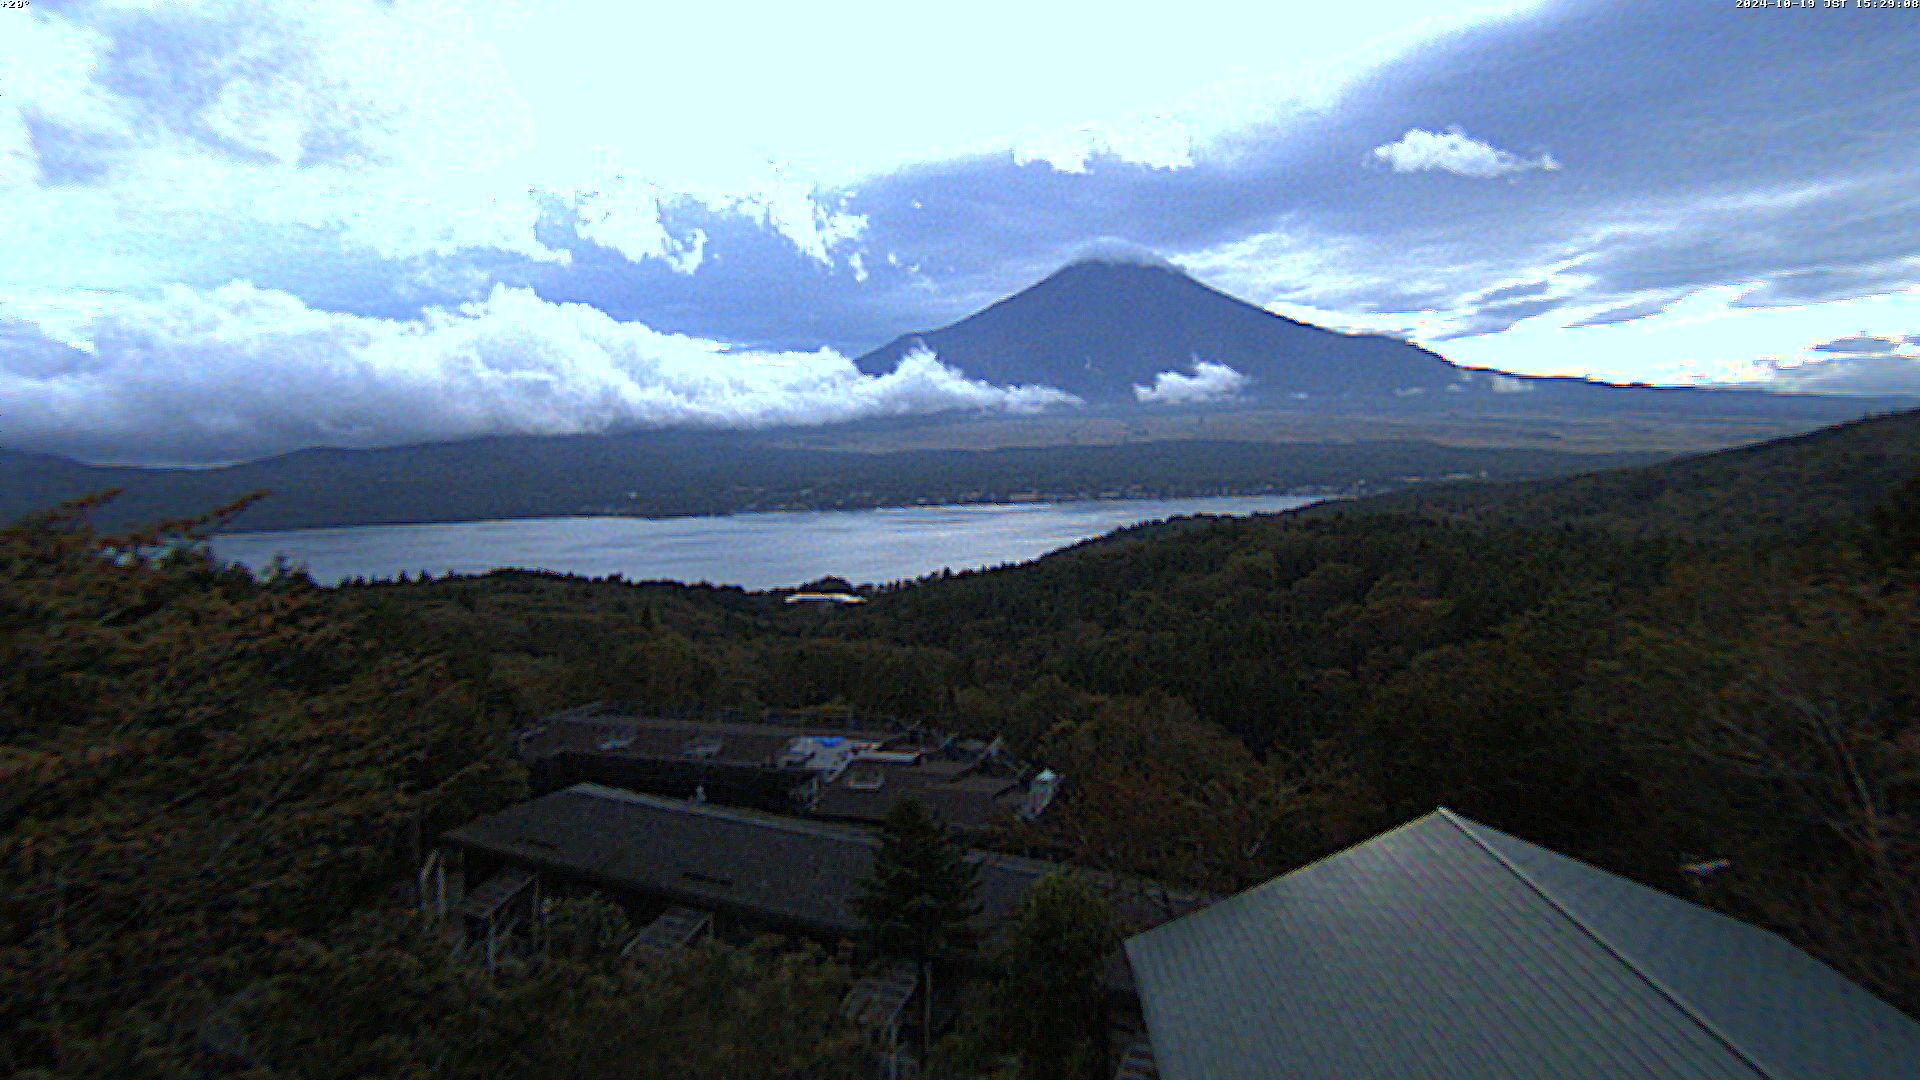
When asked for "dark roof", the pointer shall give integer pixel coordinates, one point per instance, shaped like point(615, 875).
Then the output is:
point(964, 800)
point(966, 791)
point(621, 735)
point(1447, 949)
point(799, 872)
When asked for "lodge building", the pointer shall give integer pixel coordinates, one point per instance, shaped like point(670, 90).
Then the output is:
point(1442, 949)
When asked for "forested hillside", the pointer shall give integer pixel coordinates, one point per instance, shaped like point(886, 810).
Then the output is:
point(1779, 488)
point(213, 786)
point(1639, 668)
point(213, 791)
point(666, 474)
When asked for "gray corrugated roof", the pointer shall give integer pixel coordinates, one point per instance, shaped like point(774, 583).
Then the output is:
point(1792, 1015)
point(1446, 949)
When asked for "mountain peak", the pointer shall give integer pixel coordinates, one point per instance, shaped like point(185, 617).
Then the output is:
point(1116, 319)
point(1119, 253)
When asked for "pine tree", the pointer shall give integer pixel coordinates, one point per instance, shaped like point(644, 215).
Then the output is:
point(1050, 1002)
point(918, 903)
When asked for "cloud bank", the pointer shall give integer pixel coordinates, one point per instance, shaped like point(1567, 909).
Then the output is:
point(240, 372)
point(1861, 364)
point(396, 129)
point(1456, 152)
point(1208, 382)
point(1152, 142)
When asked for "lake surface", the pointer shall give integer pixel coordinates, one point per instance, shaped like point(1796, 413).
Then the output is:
point(758, 551)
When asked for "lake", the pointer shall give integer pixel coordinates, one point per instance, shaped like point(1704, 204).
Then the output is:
point(758, 551)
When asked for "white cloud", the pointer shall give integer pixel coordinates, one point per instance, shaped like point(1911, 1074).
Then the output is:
point(1456, 152)
point(390, 125)
point(18, 166)
point(1507, 384)
point(1208, 382)
point(1156, 142)
point(397, 127)
point(1861, 375)
point(1118, 251)
point(794, 209)
point(1859, 364)
point(240, 371)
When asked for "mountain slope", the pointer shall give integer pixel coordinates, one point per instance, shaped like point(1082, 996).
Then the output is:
point(1100, 329)
point(1097, 329)
point(1779, 488)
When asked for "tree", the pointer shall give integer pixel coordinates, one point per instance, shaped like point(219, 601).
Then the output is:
point(383, 998)
point(1783, 739)
point(198, 769)
point(1895, 527)
point(587, 928)
point(919, 903)
point(1050, 1001)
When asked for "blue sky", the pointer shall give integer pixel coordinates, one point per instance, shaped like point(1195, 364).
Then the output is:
point(237, 229)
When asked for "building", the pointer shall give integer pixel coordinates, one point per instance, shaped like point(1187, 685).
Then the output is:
point(829, 598)
point(750, 871)
point(845, 772)
point(1448, 950)
point(685, 868)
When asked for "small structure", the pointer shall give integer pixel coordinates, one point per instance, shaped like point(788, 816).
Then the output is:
point(674, 929)
point(492, 913)
point(876, 1006)
point(1137, 1063)
point(830, 590)
point(1448, 950)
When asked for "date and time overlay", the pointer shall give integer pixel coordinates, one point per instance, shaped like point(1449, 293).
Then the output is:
point(1827, 5)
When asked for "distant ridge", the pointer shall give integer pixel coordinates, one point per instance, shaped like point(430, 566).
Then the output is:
point(1781, 487)
point(665, 474)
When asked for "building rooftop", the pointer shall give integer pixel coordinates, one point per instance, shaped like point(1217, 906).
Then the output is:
point(1446, 949)
point(591, 732)
point(860, 773)
point(795, 871)
point(969, 801)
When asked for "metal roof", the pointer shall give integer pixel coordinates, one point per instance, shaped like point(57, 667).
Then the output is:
point(1448, 950)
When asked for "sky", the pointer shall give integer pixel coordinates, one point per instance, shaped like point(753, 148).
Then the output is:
point(236, 229)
